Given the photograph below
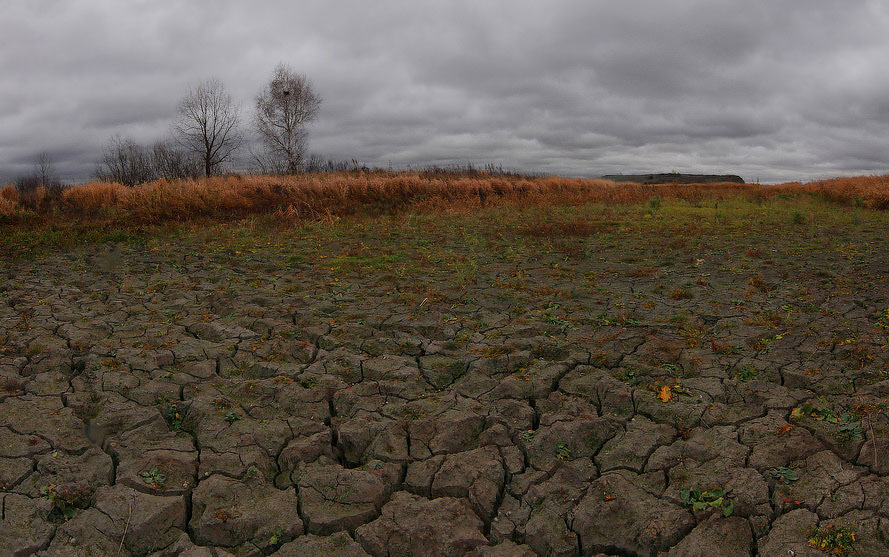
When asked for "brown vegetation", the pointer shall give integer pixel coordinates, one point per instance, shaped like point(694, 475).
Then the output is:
point(320, 194)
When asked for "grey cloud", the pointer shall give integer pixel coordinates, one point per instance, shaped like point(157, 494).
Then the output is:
point(775, 90)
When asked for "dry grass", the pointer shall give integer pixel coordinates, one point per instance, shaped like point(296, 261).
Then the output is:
point(326, 194)
point(7, 208)
point(94, 196)
point(868, 191)
point(9, 199)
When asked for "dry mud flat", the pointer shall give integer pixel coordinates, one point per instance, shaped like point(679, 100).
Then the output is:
point(173, 403)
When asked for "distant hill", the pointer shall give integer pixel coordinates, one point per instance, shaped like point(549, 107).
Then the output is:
point(674, 178)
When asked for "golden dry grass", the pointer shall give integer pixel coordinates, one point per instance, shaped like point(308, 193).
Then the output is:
point(7, 208)
point(344, 193)
point(870, 191)
point(317, 195)
point(9, 199)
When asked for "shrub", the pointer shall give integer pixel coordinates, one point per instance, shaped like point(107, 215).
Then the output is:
point(93, 196)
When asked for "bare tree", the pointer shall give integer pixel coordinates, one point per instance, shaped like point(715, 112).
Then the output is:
point(43, 176)
point(208, 125)
point(283, 109)
point(171, 162)
point(266, 163)
point(126, 162)
point(45, 170)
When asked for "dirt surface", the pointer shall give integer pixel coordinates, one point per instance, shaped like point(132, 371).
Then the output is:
point(489, 395)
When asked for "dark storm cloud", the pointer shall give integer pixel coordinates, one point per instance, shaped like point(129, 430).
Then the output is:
point(769, 90)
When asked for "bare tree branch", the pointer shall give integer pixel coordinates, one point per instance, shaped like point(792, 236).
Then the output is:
point(208, 125)
point(126, 162)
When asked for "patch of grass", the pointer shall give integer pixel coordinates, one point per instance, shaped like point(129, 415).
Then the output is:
point(573, 228)
point(371, 262)
point(653, 205)
point(679, 293)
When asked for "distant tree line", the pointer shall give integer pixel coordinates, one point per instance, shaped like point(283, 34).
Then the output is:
point(207, 134)
point(42, 186)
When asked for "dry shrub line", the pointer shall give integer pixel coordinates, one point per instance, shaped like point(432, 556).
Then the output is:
point(327, 194)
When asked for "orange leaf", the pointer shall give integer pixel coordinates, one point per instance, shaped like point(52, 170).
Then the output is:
point(665, 394)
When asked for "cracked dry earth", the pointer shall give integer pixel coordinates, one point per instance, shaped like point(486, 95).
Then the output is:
point(172, 402)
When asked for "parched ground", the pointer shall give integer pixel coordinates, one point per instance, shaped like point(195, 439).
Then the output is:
point(589, 381)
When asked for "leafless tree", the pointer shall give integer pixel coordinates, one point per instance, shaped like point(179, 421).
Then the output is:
point(45, 170)
point(126, 162)
point(283, 110)
point(43, 176)
point(171, 162)
point(265, 163)
point(208, 125)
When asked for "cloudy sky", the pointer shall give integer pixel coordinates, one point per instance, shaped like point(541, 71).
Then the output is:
point(771, 90)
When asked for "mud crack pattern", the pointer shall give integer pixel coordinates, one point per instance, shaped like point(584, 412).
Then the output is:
point(163, 403)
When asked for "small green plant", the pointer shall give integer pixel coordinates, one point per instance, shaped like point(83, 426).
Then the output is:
point(277, 536)
point(783, 474)
point(154, 477)
point(563, 452)
point(548, 315)
point(746, 373)
point(232, 417)
point(631, 377)
point(308, 381)
point(65, 501)
point(654, 204)
point(849, 430)
point(798, 218)
point(250, 472)
point(700, 500)
point(672, 368)
point(833, 539)
point(527, 436)
point(175, 418)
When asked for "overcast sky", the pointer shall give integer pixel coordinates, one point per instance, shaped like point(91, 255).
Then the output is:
point(774, 90)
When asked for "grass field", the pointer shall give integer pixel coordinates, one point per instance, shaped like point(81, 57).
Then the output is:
point(406, 363)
